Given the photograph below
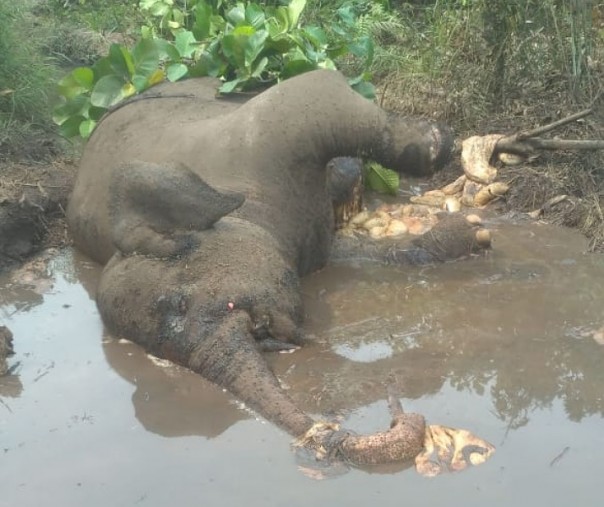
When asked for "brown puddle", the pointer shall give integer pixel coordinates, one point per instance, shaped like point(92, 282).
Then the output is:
point(504, 346)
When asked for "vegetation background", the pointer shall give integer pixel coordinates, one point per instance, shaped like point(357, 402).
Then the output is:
point(481, 65)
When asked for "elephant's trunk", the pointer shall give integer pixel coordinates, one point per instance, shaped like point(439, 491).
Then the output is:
point(230, 358)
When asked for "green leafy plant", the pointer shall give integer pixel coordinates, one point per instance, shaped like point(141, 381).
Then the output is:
point(248, 45)
point(381, 179)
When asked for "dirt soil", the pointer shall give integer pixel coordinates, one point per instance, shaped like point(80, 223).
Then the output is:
point(33, 198)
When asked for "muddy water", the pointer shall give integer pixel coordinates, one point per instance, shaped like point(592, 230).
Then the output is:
point(503, 346)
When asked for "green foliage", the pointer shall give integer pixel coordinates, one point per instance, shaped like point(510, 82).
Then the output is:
point(380, 179)
point(25, 76)
point(249, 45)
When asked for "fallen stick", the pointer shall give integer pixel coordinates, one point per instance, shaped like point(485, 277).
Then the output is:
point(526, 143)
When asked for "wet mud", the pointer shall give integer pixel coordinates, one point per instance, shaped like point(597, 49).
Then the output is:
point(507, 346)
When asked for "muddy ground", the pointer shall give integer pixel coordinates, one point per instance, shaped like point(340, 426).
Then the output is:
point(33, 198)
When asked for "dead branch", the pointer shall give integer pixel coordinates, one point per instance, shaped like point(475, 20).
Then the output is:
point(528, 147)
point(526, 143)
point(554, 125)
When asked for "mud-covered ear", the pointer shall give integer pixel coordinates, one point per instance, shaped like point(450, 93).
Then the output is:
point(209, 204)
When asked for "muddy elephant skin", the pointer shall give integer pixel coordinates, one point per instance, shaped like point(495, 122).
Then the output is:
point(212, 293)
point(272, 149)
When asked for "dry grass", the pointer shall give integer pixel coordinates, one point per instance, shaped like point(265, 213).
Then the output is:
point(452, 79)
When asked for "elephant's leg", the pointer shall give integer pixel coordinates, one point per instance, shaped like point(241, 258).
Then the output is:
point(158, 210)
point(454, 236)
point(345, 187)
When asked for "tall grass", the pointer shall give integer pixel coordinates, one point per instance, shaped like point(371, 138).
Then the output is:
point(467, 60)
point(25, 77)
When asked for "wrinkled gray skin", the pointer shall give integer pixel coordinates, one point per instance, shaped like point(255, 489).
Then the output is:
point(211, 293)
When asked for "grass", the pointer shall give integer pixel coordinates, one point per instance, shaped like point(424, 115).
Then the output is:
point(39, 41)
point(26, 77)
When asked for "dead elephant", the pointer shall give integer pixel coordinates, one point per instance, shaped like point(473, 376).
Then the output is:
point(207, 212)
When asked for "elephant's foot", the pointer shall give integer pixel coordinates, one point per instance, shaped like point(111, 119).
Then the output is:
point(415, 239)
point(454, 236)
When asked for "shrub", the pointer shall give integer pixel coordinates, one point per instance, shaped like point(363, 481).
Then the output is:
point(249, 45)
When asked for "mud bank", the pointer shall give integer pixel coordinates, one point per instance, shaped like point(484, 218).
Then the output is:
point(32, 202)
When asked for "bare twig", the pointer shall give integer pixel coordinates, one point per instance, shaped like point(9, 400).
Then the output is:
point(525, 143)
point(554, 125)
point(528, 146)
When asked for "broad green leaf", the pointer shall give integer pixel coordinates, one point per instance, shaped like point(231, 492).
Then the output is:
point(157, 77)
point(278, 24)
point(147, 32)
point(166, 50)
point(380, 179)
point(96, 113)
point(316, 35)
point(108, 91)
point(71, 127)
point(121, 61)
point(208, 64)
point(84, 76)
point(295, 67)
point(365, 88)
point(102, 68)
point(254, 46)
point(75, 106)
point(245, 30)
point(254, 15)
point(185, 43)
point(217, 24)
point(142, 83)
point(260, 68)
point(203, 14)
point(178, 17)
point(176, 71)
point(236, 15)
point(70, 86)
point(128, 90)
point(145, 56)
point(86, 128)
point(294, 9)
point(159, 9)
point(229, 86)
point(363, 48)
point(233, 47)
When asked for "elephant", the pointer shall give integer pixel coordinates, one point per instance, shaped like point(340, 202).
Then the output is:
point(207, 211)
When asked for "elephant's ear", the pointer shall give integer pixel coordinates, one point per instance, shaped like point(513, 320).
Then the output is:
point(201, 205)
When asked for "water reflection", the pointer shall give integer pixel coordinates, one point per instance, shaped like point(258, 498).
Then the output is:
point(517, 326)
point(169, 400)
